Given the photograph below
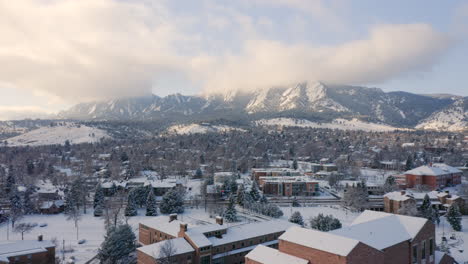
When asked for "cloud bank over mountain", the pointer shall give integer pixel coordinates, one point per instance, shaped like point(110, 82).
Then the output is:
point(100, 49)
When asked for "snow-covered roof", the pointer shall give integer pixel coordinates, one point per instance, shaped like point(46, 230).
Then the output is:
point(434, 170)
point(162, 224)
point(267, 255)
point(251, 230)
point(23, 248)
point(48, 204)
point(323, 241)
point(180, 246)
point(411, 224)
point(380, 233)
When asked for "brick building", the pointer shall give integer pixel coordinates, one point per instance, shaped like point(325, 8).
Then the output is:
point(289, 186)
point(373, 237)
point(437, 175)
point(393, 201)
point(37, 252)
point(273, 172)
point(211, 244)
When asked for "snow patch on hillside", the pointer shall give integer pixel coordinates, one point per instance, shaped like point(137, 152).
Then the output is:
point(453, 118)
point(339, 123)
point(58, 134)
point(201, 129)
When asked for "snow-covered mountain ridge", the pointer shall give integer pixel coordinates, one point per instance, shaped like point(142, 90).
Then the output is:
point(312, 101)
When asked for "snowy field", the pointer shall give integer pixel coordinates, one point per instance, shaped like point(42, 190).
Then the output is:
point(338, 123)
point(458, 245)
point(58, 134)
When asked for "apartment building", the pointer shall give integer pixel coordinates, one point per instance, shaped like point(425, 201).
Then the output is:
point(289, 186)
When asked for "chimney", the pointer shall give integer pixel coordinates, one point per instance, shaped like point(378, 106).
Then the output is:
point(39, 238)
point(172, 217)
point(403, 192)
point(219, 220)
point(182, 230)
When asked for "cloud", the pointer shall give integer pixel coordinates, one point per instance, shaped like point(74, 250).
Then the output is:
point(98, 49)
point(22, 112)
point(389, 51)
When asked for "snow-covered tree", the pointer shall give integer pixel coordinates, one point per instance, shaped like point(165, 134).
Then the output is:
point(16, 206)
point(23, 228)
point(454, 217)
point(294, 164)
point(11, 180)
point(426, 209)
point(390, 184)
point(198, 174)
point(241, 195)
point(151, 207)
point(254, 193)
point(172, 202)
point(118, 244)
point(356, 197)
point(98, 196)
point(325, 223)
point(296, 218)
point(131, 208)
point(409, 163)
point(166, 253)
point(72, 210)
point(28, 205)
point(230, 214)
point(408, 209)
point(295, 202)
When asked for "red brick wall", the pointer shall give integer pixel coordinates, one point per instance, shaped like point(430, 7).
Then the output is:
point(399, 253)
point(425, 234)
point(148, 235)
point(143, 258)
point(38, 258)
point(313, 255)
point(362, 253)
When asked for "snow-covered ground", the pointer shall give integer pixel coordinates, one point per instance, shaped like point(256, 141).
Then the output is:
point(452, 118)
point(58, 134)
point(200, 129)
point(346, 217)
point(459, 245)
point(339, 123)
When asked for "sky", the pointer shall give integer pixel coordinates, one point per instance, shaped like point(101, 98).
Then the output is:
point(56, 53)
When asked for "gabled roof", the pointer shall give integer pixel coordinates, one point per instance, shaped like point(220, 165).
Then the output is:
point(434, 170)
point(323, 241)
point(411, 224)
point(162, 224)
point(179, 245)
point(267, 255)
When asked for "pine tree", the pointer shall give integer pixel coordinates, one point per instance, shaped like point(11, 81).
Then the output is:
point(294, 164)
point(98, 196)
point(254, 193)
point(426, 209)
point(16, 206)
point(131, 208)
point(296, 218)
point(454, 217)
point(118, 244)
point(11, 181)
point(151, 207)
point(263, 199)
point(230, 214)
point(241, 195)
point(409, 163)
point(198, 174)
point(172, 202)
point(99, 209)
point(325, 223)
point(295, 202)
point(28, 205)
point(390, 184)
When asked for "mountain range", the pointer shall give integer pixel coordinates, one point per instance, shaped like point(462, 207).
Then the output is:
point(314, 101)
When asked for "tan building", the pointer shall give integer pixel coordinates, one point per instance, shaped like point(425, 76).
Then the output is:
point(289, 186)
point(374, 237)
point(211, 243)
point(36, 251)
point(393, 201)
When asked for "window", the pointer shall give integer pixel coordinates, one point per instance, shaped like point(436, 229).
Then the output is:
point(29, 256)
point(423, 250)
point(415, 254)
point(431, 247)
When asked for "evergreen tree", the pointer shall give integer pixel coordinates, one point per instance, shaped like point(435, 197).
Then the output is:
point(241, 195)
point(16, 206)
point(254, 193)
point(198, 174)
point(118, 244)
point(426, 209)
point(98, 196)
point(263, 199)
point(230, 214)
point(409, 163)
point(295, 202)
point(454, 217)
point(294, 164)
point(172, 202)
point(325, 223)
point(131, 208)
point(151, 207)
point(99, 209)
point(390, 184)
point(28, 205)
point(11, 180)
point(296, 218)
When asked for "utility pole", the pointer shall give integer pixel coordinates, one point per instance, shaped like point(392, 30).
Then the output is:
point(63, 250)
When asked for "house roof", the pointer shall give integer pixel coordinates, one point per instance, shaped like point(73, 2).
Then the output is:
point(323, 241)
point(267, 255)
point(23, 247)
point(434, 170)
point(179, 245)
point(162, 224)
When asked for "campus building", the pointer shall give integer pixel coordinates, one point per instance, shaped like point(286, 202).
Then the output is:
point(435, 176)
point(205, 244)
point(373, 237)
point(394, 201)
point(289, 186)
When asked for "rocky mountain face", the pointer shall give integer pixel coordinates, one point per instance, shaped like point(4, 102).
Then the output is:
point(306, 100)
point(452, 118)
